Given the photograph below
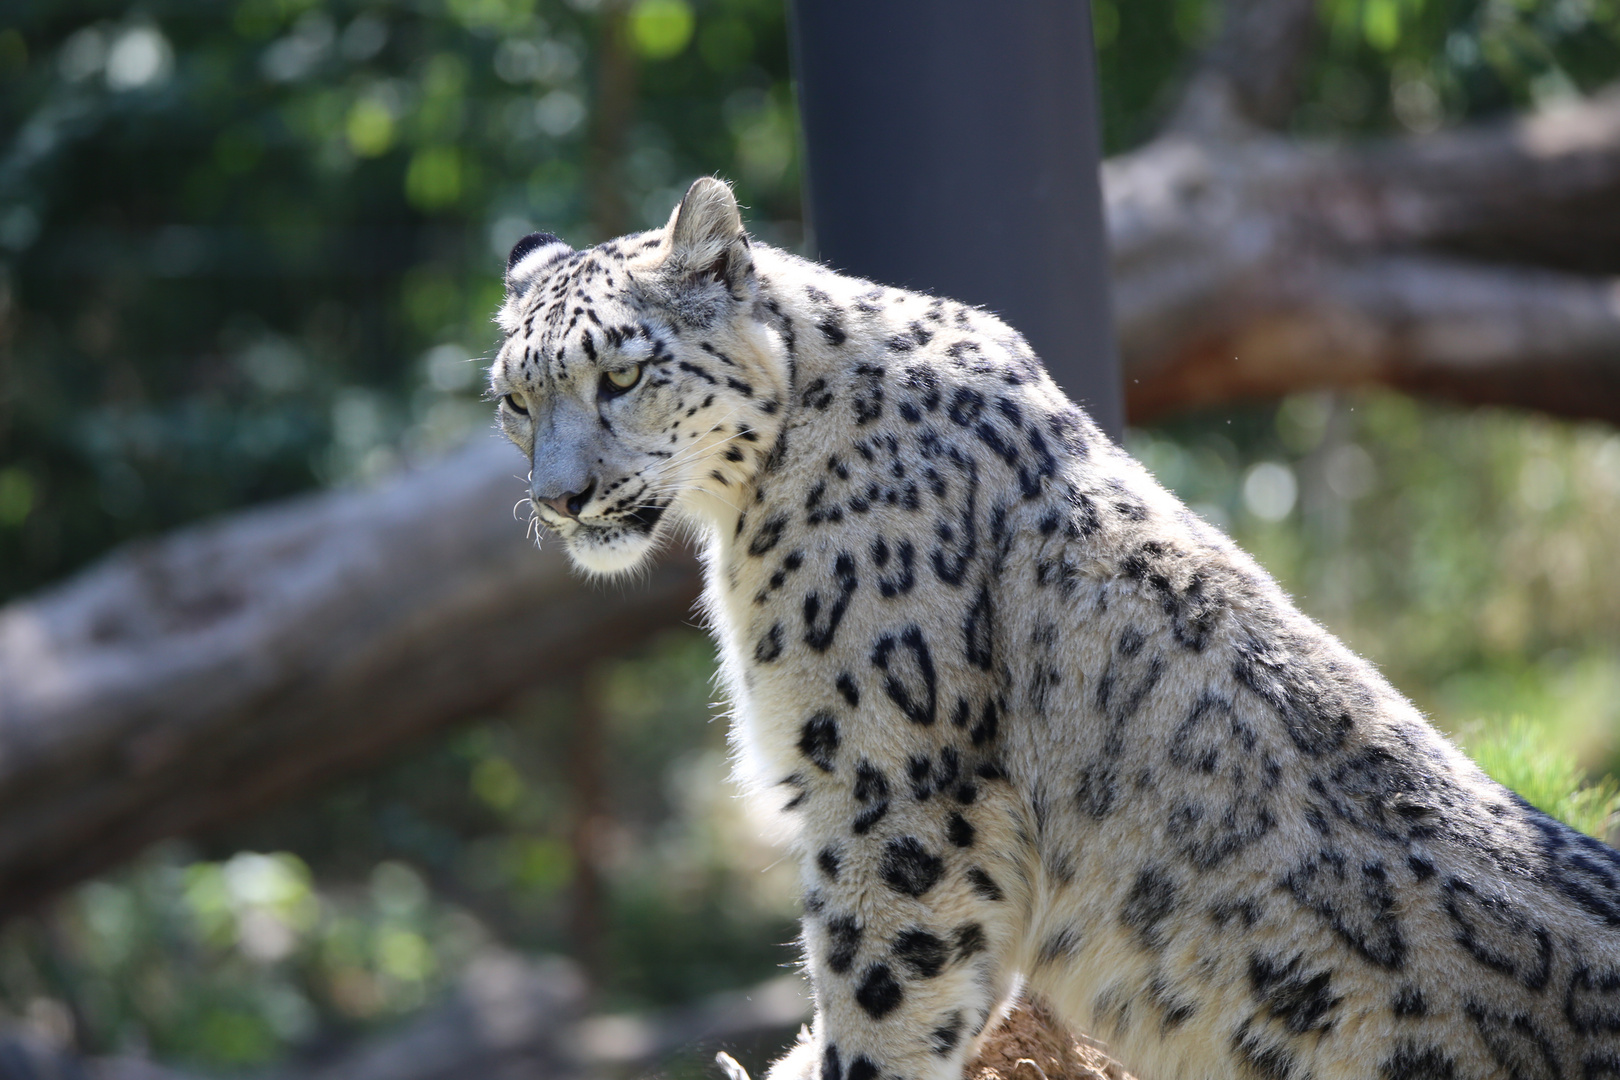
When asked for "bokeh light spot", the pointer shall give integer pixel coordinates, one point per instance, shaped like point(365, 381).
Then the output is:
point(660, 29)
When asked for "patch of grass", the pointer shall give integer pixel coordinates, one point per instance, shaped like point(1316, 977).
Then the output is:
point(1522, 755)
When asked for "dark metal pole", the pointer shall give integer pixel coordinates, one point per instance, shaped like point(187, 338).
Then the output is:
point(953, 147)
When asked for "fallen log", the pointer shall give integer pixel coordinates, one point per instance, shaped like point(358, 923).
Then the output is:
point(189, 680)
point(1471, 265)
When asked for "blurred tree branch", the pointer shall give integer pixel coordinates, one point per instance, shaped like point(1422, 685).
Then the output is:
point(1475, 265)
point(193, 679)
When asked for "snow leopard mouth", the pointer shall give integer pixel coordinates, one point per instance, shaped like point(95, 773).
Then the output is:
point(642, 519)
point(616, 544)
point(646, 517)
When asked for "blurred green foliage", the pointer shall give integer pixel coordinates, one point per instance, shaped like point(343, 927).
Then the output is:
point(236, 951)
point(1381, 65)
point(247, 248)
point(1425, 63)
point(226, 962)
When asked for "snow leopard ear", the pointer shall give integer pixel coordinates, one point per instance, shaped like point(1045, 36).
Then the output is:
point(530, 256)
point(707, 241)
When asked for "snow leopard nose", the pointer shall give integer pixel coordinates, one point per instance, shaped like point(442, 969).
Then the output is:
point(569, 504)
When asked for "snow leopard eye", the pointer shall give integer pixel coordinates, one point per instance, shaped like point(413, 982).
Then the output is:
point(518, 403)
point(617, 382)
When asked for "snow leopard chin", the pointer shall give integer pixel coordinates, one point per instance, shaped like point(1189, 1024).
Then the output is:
point(613, 550)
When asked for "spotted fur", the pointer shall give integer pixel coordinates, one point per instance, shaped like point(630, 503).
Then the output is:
point(1028, 717)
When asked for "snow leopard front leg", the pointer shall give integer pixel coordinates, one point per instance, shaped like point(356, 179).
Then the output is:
point(909, 921)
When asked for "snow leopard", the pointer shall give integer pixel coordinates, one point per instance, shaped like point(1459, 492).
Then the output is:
point(1034, 726)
